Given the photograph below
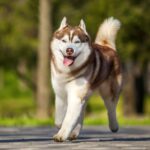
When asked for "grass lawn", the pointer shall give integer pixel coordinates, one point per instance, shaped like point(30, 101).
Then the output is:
point(98, 115)
point(20, 112)
point(17, 108)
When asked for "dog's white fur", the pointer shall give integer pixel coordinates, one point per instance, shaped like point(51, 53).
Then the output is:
point(107, 31)
point(56, 45)
point(71, 92)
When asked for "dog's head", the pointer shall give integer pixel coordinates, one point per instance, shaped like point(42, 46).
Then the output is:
point(70, 46)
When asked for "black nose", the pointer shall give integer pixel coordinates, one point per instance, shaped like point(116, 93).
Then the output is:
point(69, 51)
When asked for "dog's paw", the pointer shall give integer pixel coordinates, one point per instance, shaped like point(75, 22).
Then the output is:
point(75, 133)
point(61, 136)
point(114, 127)
point(58, 138)
point(73, 136)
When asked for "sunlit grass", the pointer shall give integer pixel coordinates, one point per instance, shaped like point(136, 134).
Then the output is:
point(122, 121)
point(17, 108)
point(89, 120)
point(25, 121)
point(98, 115)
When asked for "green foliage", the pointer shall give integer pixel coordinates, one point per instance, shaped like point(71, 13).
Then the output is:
point(98, 114)
point(135, 121)
point(11, 86)
point(133, 41)
point(25, 121)
point(18, 32)
point(15, 99)
point(19, 112)
point(19, 26)
point(19, 40)
point(17, 107)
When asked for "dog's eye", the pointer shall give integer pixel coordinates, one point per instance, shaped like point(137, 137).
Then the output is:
point(77, 42)
point(64, 41)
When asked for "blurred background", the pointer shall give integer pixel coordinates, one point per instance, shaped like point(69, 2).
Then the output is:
point(26, 27)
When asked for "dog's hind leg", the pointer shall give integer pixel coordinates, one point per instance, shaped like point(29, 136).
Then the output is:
point(111, 104)
point(109, 92)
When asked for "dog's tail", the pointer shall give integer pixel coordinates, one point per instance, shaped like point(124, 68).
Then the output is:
point(107, 32)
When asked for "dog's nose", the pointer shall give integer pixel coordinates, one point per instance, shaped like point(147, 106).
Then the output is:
point(69, 51)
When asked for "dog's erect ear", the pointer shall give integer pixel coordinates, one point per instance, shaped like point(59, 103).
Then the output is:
point(63, 23)
point(82, 26)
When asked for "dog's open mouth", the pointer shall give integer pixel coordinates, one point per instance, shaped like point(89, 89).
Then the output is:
point(68, 60)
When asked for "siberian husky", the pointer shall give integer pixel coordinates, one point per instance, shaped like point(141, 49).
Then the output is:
point(79, 67)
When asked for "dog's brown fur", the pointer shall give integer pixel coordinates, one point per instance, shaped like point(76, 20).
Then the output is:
point(100, 70)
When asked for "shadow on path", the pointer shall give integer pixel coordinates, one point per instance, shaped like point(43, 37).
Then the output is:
point(83, 139)
point(132, 134)
point(25, 140)
point(80, 139)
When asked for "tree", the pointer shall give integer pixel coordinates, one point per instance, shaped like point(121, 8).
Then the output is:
point(43, 78)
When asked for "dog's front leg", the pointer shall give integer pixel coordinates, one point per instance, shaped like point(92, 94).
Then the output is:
point(76, 131)
point(74, 110)
point(60, 110)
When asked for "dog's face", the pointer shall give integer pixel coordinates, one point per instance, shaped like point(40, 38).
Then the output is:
point(70, 46)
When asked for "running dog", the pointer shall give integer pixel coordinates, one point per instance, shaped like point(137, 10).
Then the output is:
point(79, 67)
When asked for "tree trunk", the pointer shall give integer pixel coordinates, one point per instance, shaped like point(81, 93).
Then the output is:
point(129, 91)
point(139, 88)
point(43, 70)
point(134, 91)
point(22, 69)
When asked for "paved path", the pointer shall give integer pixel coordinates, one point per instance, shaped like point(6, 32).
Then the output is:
point(91, 138)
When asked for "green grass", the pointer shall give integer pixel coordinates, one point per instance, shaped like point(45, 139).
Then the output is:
point(25, 121)
point(95, 115)
point(98, 115)
point(122, 121)
point(17, 107)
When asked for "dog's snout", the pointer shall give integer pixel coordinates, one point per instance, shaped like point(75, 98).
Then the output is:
point(69, 51)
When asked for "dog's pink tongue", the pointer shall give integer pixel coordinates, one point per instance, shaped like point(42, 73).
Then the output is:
point(67, 61)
